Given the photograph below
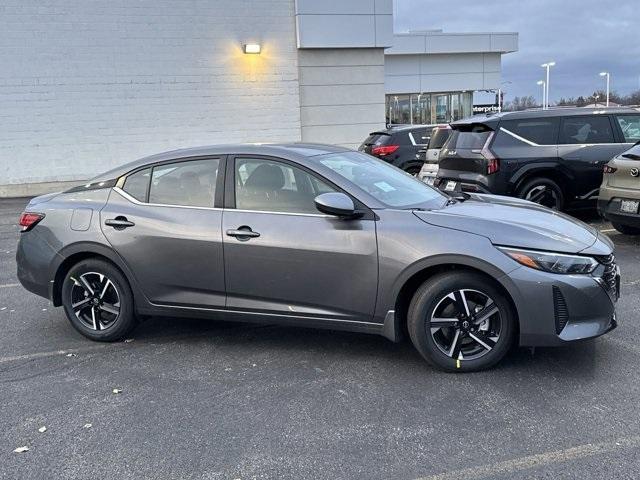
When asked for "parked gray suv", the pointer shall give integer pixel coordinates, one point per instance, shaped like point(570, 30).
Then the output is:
point(317, 236)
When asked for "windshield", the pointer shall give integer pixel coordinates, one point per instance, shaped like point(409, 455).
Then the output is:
point(385, 183)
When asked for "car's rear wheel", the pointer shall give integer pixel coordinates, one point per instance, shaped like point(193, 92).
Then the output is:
point(626, 229)
point(98, 301)
point(543, 191)
point(461, 322)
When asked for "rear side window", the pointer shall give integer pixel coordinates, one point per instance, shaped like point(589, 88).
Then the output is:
point(137, 184)
point(630, 126)
point(541, 131)
point(401, 138)
point(587, 129)
point(419, 136)
point(377, 139)
point(190, 184)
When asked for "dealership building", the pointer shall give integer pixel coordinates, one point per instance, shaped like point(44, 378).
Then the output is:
point(86, 86)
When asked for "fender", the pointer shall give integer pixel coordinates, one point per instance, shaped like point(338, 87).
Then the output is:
point(98, 249)
point(447, 260)
point(531, 168)
point(392, 327)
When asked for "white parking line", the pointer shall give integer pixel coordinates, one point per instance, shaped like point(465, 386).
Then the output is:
point(10, 285)
point(539, 460)
point(609, 230)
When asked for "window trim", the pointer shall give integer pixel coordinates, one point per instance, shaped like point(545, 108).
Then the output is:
point(230, 187)
point(218, 194)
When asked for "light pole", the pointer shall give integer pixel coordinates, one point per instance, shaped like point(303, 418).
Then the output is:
point(606, 74)
point(544, 91)
point(547, 65)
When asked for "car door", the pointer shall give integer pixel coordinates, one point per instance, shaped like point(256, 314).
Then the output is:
point(283, 257)
point(163, 222)
point(586, 144)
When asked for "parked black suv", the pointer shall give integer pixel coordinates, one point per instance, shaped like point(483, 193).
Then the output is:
point(399, 146)
point(552, 157)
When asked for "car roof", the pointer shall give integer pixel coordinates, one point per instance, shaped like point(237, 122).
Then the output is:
point(286, 150)
point(402, 128)
point(489, 118)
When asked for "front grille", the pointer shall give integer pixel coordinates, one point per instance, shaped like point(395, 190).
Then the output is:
point(560, 309)
point(609, 277)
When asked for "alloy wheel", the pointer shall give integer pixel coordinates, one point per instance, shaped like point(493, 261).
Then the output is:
point(95, 300)
point(543, 195)
point(466, 324)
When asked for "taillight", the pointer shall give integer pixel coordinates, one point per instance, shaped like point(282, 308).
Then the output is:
point(384, 149)
point(493, 162)
point(28, 220)
point(608, 169)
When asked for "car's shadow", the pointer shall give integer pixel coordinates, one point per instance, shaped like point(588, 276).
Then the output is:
point(577, 360)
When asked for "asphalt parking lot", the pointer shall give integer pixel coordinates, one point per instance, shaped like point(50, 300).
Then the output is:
point(213, 400)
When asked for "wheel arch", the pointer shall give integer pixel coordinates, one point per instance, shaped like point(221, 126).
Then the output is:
point(551, 171)
point(77, 252)
point(419, 273)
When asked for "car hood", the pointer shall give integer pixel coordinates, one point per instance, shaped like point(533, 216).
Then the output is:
point(518, 223)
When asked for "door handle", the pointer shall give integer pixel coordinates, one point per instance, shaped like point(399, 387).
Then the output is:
point(119, 223)
point(243, 233)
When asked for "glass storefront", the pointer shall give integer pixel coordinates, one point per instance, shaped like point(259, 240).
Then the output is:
point(426, 108)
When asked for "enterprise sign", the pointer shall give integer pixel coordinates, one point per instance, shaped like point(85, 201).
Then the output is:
point(485, 108)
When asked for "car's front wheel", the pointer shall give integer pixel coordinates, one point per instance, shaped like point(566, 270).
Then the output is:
point(98, 300)
point(626, 229)
point(461, 322)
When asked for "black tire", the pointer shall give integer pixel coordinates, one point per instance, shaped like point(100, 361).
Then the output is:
point(543, 191)
point(435, 293)
point(413, 171)
point(626, 229)
point(105, 318)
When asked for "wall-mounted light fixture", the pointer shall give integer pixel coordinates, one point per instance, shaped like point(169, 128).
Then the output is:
point(252, 48)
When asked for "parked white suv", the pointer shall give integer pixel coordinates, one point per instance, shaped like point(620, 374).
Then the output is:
point(429, 170)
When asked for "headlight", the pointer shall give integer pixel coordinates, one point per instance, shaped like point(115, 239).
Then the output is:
point(552, 262)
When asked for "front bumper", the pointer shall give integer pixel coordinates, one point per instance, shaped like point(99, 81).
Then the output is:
point(555, 309)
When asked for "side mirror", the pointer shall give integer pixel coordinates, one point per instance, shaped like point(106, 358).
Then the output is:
point(336, 203)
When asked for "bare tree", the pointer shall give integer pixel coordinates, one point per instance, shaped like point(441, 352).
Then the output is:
point(521, 103)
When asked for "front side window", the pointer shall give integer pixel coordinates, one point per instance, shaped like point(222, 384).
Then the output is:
point(270, 186)
point(591, 129)
point(630, 126)
point(191, 183)
point(385, 183)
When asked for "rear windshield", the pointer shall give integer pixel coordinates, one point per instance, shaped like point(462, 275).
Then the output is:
point(472, 138)
point(439, 137)
point(377, 138)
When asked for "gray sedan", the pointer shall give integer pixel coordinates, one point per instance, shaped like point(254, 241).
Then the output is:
point(318, 236)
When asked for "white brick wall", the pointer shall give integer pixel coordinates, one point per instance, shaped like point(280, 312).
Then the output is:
point(89, 84)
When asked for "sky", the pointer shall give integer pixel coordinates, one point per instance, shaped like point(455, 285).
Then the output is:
point(583, 37)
